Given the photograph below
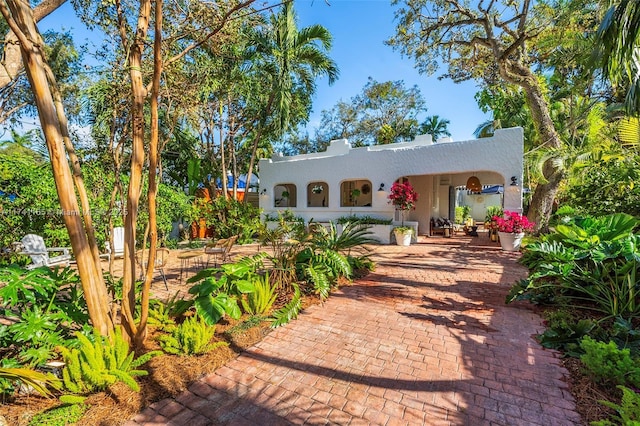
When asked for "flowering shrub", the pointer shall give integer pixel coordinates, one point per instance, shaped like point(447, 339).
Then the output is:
point(513, 223)
point(403, 197)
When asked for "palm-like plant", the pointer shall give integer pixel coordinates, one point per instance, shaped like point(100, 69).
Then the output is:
point(618, 41)
point(435, 126)
point(288, 60)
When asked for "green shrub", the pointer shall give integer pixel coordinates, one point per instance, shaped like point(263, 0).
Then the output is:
point(365, 220)
point(493, 211)
point(229, 217)
point(606, 363)
point(566, 335)
point(97, 365)
point(259, 302)
point(462, 213)
point(192, 337)
point(628, 410)
point(63, 415)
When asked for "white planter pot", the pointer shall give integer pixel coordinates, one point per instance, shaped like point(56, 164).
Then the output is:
point(403, 238)
point(509, 241)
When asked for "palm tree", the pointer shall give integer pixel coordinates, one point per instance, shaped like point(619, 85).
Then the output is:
point(289, 60)
point(618, 48)
point(435, 126)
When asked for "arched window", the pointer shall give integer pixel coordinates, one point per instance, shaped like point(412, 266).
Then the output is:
point(284, 195)
point(318, 194)
point(355, 193)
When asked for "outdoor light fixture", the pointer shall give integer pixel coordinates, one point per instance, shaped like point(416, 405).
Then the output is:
point(263, 192)
point(514, 181)
point(381, 189)
point(473, 184)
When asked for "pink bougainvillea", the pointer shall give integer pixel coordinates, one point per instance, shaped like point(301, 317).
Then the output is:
point(403, 197)
point(513, 223)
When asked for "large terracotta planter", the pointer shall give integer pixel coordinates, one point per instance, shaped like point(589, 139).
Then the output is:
point(202, 228)
point(510, 241)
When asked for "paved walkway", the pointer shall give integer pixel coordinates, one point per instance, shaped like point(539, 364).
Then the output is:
point(425, 339)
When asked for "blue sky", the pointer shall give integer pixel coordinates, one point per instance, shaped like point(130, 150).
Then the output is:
point(359, 28)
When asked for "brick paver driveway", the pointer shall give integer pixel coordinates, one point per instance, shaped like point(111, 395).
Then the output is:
point(425, 339)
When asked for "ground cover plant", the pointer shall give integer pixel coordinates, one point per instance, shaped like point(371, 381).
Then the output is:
point(586, 271)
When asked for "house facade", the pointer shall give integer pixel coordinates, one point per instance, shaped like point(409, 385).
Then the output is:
point(346, 181)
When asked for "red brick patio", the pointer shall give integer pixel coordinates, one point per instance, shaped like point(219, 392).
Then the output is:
point(425, 339)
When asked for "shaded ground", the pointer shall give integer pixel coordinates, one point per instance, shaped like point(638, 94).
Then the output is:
point(471, 360)
point(426, 339)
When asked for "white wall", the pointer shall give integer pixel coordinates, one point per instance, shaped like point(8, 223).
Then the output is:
point(499, 156)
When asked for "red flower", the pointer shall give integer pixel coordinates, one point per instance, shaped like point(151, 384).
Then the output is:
point(513, 223)
point(403, 196)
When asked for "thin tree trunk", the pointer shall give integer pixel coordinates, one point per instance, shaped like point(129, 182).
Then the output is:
point(153, 166)
point(20, 18)
point(78, 178)
point(137, 161)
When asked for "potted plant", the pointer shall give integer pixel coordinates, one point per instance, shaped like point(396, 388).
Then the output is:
point(490, 224)
point(511, 229)
point(355, 193)
point(404, 198)
point(317, 189)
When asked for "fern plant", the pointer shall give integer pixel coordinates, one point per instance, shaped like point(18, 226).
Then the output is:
point(96, 365)
point(160, 315)
point(259, 302)
point(628, 410)
point(192, 337)
point(290, 311)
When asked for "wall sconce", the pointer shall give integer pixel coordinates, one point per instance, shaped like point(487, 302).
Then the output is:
point(514, 181)
point(263, 192)
point(381, 189)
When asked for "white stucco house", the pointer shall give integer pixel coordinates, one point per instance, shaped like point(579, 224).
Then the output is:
point(343, 180)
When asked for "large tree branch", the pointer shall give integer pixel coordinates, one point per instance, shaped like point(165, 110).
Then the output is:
point(211, 33)
point(11, 65)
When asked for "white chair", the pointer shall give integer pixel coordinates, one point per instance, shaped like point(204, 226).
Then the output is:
point(33, 246)
point(118, 244)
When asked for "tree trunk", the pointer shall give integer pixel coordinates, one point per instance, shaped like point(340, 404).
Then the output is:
point(153, 167)
point(20, 18)
point(12, 59)
point(541, 205)
point(137, 161)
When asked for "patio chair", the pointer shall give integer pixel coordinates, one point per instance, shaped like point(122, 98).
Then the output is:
point(220, 248)
point(118, 244)
point(33, 246)
point(162, 255)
